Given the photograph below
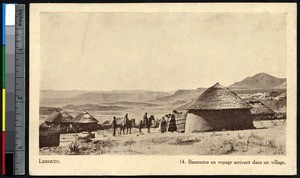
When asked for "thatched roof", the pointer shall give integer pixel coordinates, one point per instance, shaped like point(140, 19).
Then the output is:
point(218, 97)
point(107, 122)
point(58, 117)
point(84, 117)
point(259, 108)
point(184, 106)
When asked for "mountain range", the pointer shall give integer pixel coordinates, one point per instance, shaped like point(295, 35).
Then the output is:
point(260, 80)
point(127, 97)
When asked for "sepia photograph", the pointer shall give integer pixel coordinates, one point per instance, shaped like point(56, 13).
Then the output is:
point(162, 83)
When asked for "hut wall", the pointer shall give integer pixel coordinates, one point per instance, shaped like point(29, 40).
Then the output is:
point(79, 127)
point(196, 122)
point(49, 139)
point(215, 120)
point(180, 121)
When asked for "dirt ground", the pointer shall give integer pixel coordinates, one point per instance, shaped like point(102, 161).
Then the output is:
point(268, 139)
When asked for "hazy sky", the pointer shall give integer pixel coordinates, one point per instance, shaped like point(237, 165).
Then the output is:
point(158, 51)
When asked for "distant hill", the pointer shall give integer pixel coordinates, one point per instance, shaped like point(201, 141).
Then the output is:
point(260, 80)
point(180, 96)
point(48, 110)
point(92, 107)
point(120, 96)
point(127, 103)
point(49, 94)
point(64, 97)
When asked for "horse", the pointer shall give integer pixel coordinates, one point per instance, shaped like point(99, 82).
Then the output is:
point(127, 124)
point(149, 122)
point(139, 124)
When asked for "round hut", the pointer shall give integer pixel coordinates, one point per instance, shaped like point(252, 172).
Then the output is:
point(49, 136)
point(218, 108)
point(85, 122)
point(61, 118)
point(58, 117)
point(260, 111)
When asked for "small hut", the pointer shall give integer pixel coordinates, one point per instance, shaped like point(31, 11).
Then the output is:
point(58, 117)
point(218, 108)
point(260, 111)
point(106, 124)
point(85, 122)
point(49, 135)
point(61, 118)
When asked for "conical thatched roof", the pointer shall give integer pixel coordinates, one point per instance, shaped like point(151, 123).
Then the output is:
point(184, 106)
point(218, 97)
point(58, 117)
point(107, 122)
point(84, 117)
point(259, 108)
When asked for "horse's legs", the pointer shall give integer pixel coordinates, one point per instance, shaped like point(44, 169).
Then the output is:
point(129, 130)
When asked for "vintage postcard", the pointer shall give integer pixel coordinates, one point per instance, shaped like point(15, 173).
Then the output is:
point(163, 89)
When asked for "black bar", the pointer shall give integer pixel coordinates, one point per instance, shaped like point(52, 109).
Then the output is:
point(9, 164)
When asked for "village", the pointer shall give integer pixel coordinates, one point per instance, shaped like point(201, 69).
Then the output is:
point(218, 121)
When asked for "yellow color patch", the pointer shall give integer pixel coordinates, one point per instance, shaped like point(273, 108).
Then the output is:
point(3, 109)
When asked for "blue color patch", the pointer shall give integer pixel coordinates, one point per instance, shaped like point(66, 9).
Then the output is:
point(3, 24)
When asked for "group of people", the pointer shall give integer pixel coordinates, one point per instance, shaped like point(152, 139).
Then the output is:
point(127, 123)
point(168, 123)
point(165, 125)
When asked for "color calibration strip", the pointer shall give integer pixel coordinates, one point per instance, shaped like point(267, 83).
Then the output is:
point(3, 168)
point(8, 83)
point(13, 90)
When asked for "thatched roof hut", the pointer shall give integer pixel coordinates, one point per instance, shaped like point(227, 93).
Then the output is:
point(58, 117)
point(49, 136)
point(218, 97)
point(106, 124)
point(183, 106)
point(84, 117)
point(260, 111)
point(218, 108)
point(85, 122)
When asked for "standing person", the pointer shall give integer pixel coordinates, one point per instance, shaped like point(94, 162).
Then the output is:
point(140, 126)
point(172, 123)
point(147, 122)
point(163, 125)
point(114, 126)
point(126, 119)
point(126, 124)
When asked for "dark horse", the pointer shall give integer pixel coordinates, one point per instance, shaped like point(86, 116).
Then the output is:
point(128, 124)
point(143, 123)
point(124, 124)
point(149, 123)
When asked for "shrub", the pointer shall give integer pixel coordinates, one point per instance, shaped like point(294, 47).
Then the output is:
point(74, 148)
